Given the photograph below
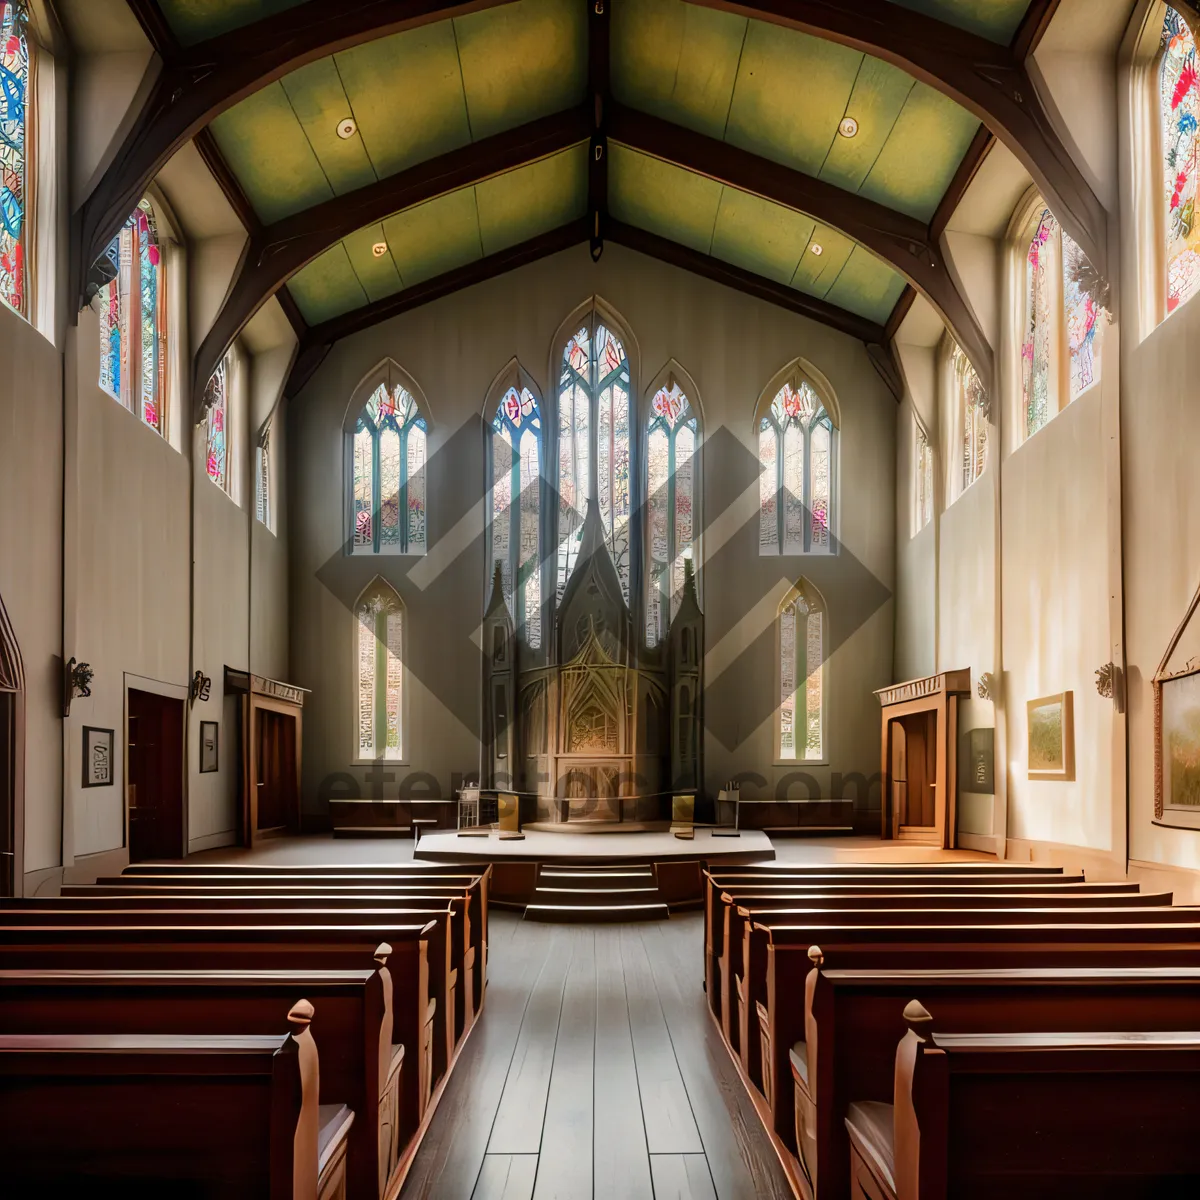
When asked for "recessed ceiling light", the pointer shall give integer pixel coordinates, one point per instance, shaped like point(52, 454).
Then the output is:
point(347, 128)
point(379, 249)
point(817, 249)
point(848, 127)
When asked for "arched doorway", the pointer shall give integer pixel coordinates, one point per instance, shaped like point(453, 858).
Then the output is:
point(12, 758)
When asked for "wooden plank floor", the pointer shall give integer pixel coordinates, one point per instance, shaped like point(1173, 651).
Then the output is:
point(595, 1072)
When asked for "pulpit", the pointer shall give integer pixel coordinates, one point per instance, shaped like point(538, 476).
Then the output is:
point(919, 751)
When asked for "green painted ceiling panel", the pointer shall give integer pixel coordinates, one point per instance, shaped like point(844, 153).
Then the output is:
point(662, 199)
point(327, 287)
point(817, 273)
point(194, 20)
point(407, 95)
point(876, 101)
point(916, 166)
point(996, 20)
point(760, 236)
point(320, 104)
point(266, 149)
point(521, 204)
point(434, 237)
point(377, 275)
point(791, 92)
point(522, 61)
point(866, 286)
point(676, 61)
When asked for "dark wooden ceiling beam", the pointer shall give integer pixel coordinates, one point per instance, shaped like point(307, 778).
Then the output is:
point(200, 82)
point(901, 241)
point(1033, 26)
point(599, 43)
point(987, 79)
point(320, 338)
point(278, 251)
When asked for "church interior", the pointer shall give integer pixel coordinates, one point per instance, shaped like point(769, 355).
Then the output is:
point(597, 599)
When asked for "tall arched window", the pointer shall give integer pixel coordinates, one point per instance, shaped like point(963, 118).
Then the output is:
point(800, 717)
point(216, 425)
point(14, 162)
point(672, 438)
point(1179, 108)
point(388, 474)
point(379, 667)
point(517, 506)
point(262, 478)
point(133, 322)
point(972, 404)
point(1060, 349)
point(796, 442)
point(595, 417)
point(922, 478)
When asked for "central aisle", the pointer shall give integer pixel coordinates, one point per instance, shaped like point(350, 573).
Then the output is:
point(595, 1072)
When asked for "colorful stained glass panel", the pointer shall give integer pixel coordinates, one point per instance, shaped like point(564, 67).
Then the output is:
point(14, 105)
point(1179, 108)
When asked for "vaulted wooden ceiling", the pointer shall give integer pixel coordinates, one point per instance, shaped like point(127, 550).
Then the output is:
point(487, 133)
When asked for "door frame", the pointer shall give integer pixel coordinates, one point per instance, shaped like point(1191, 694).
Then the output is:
point(172, 691)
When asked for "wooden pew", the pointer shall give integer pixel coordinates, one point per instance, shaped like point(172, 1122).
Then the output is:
point(853, 1020)
point(947, 946)
point(467, 947)
point(189, 1115)
point(717, 882)
point(360, 1066)
point(739, 909)
point(1105, 1115)
point(262, 947)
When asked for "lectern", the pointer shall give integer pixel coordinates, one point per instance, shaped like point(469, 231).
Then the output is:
point(920, 768)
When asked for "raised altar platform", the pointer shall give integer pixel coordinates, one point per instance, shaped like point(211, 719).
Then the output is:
point(653, 871)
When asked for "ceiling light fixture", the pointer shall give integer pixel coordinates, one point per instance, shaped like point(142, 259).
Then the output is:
point(848, 127)
point(347, 127)
point(379, 249)
point(817, 249)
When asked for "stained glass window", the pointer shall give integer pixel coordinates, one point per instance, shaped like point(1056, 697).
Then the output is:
point(216, 422)
point(796, 460)
point(923, 479)
point(262, 479)
point(1060, 352)
point(388, 494)
point(379, 660)
point(1179, 106)
point(671, 443)
point(594, 395)
point(973, 405)
point(133, 318)
point(516, 508)
point(801, 676)
point(14, 173)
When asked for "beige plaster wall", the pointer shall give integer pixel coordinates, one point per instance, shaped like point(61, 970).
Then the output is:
point(731, 346)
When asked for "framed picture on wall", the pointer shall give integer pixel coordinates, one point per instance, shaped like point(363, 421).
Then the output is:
point(208, 747)
point(97, 757)
point(1177, 749)
point(1051, 746)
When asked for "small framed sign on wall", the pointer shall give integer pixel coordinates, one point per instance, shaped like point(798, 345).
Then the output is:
point(97, 757)
point(208, 747)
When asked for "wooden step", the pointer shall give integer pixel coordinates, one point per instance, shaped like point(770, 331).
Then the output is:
point(596, 912)
point(596, 880)
point(603, 896)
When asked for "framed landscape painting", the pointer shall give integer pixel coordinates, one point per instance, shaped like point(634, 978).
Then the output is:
point(1051, 737)
point(1177, 749)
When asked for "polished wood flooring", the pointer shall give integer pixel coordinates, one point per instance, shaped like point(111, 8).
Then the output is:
point(595, 1071)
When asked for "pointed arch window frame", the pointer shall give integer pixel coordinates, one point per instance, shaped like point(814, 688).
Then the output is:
point(797, 374)
point(671, 376)
point(592, 315)
point(805, 592)
point(390, 376)
point(380, 592)
point(514, 378)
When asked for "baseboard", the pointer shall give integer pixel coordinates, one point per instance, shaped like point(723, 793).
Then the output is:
point(987, 843)
point(1100, 866)
point(46, 882)
point(213, 841)
point(1184, 882)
